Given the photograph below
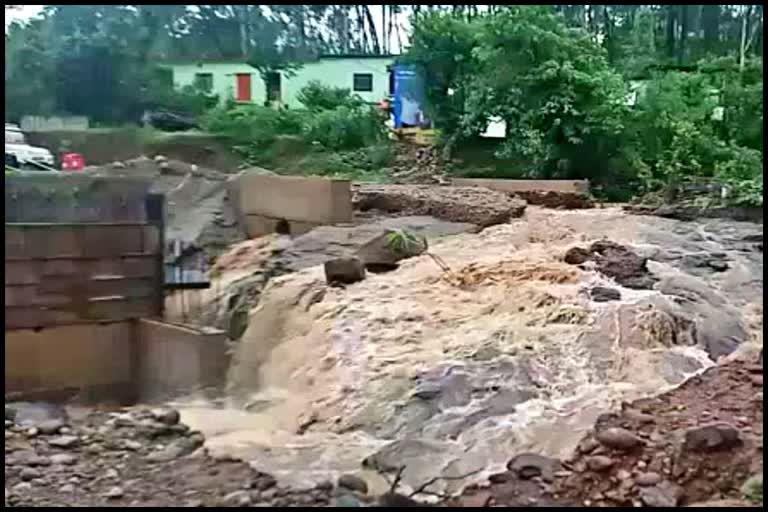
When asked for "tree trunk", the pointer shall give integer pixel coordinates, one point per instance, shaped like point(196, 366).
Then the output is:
point(710, 20)
point(671, 25)
point(681, 48)
point(372, 25)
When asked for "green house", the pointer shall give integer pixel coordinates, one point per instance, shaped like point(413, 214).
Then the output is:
point(368, 76)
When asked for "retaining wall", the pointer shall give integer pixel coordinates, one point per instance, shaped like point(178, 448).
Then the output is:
point(268, 203)
point(91, 361)
point(134, 360)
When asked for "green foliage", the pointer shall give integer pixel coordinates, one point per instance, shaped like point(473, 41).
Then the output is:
point(401, 241)
point(345, 128)
point(252, 124)
point(742, 173)
point(441, 47)
point(316, 96)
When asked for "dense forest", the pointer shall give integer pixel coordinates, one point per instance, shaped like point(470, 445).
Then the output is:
point(631, 96)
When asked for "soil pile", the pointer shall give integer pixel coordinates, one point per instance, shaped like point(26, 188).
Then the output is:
point(455, 204)
point(698, 443)
point(418, 164)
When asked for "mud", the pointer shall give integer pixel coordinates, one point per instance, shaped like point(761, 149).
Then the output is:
point(455, 204)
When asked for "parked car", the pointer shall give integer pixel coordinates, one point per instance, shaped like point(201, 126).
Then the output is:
point(26, 155)
point(168, 121)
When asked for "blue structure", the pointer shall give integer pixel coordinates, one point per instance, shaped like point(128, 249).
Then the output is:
point(409, 97)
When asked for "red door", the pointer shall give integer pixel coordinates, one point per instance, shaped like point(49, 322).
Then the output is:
point(243, 87)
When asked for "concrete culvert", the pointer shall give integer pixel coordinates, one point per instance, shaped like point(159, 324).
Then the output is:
point(283, 227)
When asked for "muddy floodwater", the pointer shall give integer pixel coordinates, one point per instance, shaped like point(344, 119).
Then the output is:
point(513, 350)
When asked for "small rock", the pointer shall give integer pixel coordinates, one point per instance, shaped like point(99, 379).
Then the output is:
point(50, 427)
point(238, 499)
point(604, 294)
point(599, 462)
point(639, 417)
point(28, 474)
point(268, 494)
point(618, 439)
point(664, 494)
point(347, 500)
point(501, 478)
point(111, 473)
point(325, 485)
point(587, 445)
point(648, 479)
point(64, 459)
point(353, 483)
point(623, 475)
point(64, 441)
point(710, 438)
point(166, 416)
point(67, 489)
point(160, 159)
point(266, 482)
point(344, 270)
point(530, 465)
point(32, 432)
point(132, 445)
point(114, 493)
point(21, 487)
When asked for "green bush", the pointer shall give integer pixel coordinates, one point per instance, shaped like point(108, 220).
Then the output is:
point(742, 173)
point(315, 96)
point(345, 128)
point(252, 124)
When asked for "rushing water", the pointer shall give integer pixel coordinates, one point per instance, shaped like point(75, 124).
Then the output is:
point(408, 368)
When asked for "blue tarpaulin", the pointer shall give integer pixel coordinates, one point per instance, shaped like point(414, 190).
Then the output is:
point(409, 97)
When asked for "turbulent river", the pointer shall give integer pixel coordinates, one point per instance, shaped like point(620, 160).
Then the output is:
point(453, 373)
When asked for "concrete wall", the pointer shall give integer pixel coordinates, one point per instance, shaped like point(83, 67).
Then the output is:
point(64, 274)
point(175, 359)
point(339, 72)
point(264, 201)
point(333, 72)
point(91, 361)
point(223, 78)
point(123, 361)
point(512, 186)
point(49, 124)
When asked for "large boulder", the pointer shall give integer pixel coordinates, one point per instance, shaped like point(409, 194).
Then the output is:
point(385, 250)
point(344, 270)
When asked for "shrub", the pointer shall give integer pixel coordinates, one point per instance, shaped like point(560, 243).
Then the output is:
point(315, 96)
point(742, 173)
point(252, 124)
point(345, 128)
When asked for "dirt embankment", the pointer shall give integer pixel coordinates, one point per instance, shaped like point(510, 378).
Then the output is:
point(696, 444)
point(102, 147)
point(456, 204)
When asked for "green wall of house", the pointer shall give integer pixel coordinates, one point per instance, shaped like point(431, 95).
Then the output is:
point(223, 78)
point(333, 71)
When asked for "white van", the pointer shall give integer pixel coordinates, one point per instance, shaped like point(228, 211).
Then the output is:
point(16, 145)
